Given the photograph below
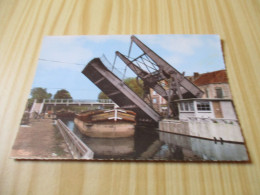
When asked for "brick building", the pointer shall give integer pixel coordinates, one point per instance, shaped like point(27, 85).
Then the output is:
point(213, 84)
point(216, 101)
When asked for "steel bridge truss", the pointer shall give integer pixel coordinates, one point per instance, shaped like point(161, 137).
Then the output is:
point(155, 71)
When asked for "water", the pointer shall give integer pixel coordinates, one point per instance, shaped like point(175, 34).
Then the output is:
point(150, 144)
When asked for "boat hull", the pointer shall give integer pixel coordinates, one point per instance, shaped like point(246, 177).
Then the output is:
point(105, 129)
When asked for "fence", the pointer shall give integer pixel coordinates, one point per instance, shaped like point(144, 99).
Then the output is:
point(72, 101)
point(78, 149)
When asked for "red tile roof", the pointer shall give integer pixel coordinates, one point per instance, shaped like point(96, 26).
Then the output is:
point(211, 77)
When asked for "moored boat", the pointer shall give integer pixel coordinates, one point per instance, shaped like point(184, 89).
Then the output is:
point(65, 114)
point(113, 123)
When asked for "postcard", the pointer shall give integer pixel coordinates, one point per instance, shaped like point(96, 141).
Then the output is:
point(131, 98)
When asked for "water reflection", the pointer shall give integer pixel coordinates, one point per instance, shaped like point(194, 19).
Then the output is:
point(195, 149)
point(149, 144)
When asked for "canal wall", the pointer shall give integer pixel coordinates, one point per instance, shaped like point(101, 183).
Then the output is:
point(214, 129)
point(206, 149)
point(78, 149)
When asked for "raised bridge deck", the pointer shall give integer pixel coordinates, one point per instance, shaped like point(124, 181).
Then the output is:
point(117, 91)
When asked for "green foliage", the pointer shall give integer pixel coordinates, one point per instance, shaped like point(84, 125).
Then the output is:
point(62, 94)
point(39, 94)
point(135, 86)
point(132, 84)
point(29, 103)
point(102, 95)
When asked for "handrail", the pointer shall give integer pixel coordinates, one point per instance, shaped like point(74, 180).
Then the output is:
point(73, 101)
point(78, 149)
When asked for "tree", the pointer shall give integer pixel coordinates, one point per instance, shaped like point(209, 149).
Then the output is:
point(39, 94)
point(132, 83)
point(102, 95)
point(62, 94)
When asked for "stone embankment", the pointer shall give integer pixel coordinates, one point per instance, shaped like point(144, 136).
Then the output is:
point(213, 129)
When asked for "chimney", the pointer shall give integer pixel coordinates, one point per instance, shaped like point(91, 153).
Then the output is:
point(196, 75)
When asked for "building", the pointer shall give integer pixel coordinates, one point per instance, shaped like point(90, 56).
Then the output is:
point(206, 108)
point(159, 103)
point(213, 84)
point(216, 101)
point(211, 117)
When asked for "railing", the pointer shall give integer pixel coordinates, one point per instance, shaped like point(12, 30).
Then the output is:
point(78, 149)
point(75, 101)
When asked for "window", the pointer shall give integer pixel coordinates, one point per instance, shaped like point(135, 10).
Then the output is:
point(154, 100)
point(163, 84)
point(181, 106)
point(219, 92)
point(191, 106)
point(186, 106)
point(203, 106)
point(154, 92)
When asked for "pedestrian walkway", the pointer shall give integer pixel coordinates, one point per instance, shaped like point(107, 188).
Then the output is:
point(40, 140)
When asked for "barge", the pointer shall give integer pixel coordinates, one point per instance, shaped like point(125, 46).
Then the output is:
point(115, 123)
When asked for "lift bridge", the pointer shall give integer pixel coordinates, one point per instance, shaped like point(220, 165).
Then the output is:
point(154, 72)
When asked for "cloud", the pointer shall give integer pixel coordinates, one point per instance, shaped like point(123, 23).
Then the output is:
point(105, 38)
point(182, 44)
point(189, 53)
point(64, 49)
point(174, 60)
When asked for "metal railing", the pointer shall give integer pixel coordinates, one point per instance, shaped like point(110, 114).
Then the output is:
point(78, 149)
point(77, 101)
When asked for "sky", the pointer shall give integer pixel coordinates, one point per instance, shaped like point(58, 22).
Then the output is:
point(62, 58)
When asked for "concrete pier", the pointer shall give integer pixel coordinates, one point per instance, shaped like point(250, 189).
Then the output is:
point(40, 139)
point(78, 149)
point(213, 129)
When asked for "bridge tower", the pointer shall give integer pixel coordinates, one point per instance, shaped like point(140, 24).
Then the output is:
point(153, 69)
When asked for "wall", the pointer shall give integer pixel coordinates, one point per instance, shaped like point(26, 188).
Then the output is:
point(186, 115)
point(206, 149)
point(204, 129)
point(212, 90)
point(219, 130)
point(228, 110)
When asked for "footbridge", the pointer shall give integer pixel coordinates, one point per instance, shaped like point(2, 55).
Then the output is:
point(39, 107)
point(77, 102)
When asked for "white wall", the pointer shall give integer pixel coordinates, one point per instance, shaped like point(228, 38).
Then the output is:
point(204, 129)
point(228, 132)
point(212, 90)
point(206, 149)
point(186, 115)
point(209, 114)
point(228, 110)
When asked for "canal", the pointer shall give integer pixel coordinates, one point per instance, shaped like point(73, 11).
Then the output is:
point(150, 144)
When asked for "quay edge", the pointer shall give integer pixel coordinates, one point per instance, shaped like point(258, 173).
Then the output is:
point(211, 129)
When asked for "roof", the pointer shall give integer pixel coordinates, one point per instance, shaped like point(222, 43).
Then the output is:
point(219, 76)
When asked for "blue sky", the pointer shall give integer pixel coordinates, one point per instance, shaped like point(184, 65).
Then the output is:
point(186, 53)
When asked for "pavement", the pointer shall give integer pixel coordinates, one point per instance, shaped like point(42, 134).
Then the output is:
point(40, 139)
